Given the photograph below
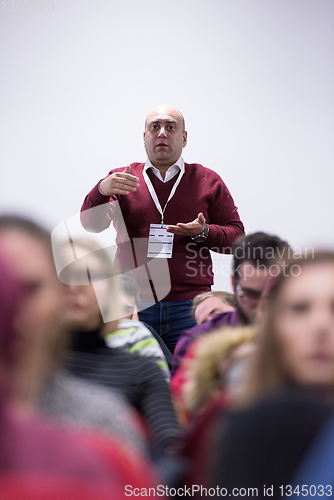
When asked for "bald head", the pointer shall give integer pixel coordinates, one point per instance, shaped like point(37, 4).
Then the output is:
point(164, 136)
point(166, 109)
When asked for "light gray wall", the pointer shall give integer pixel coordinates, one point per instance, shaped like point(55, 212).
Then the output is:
point(254, 79)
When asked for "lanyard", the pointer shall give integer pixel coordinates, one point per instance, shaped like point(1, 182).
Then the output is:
point(154, 194)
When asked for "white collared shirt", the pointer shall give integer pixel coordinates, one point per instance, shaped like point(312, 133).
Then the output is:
point(170, 172)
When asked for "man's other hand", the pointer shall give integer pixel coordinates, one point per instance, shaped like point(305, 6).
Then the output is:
point(119, 183)
point(191, 228)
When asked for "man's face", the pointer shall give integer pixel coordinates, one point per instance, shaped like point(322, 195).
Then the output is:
point(209, 307)
point(164, 137)
point(248, 287)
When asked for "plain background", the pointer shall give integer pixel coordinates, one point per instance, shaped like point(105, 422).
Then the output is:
point(253, 78)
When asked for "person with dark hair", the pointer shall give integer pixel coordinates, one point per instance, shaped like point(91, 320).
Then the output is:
point(257, 258)
point(159, 195)
point(39, 457)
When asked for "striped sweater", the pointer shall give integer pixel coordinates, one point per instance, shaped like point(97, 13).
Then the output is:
point(135, 338)
point(137, 378)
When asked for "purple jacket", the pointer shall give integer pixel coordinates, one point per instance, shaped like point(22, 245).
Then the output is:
point(187, 337)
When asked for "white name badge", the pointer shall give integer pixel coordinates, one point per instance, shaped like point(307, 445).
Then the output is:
point(160, 243)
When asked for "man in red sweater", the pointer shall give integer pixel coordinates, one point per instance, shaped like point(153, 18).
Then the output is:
point(147, 203)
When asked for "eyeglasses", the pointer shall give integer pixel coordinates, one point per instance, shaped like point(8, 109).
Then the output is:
point(72, 276)
point(248, 294)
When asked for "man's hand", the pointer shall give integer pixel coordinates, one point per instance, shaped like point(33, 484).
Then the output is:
point(191, 228)
point(119, 183)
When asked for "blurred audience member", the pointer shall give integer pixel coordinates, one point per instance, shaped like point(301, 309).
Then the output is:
point(257, 258)
point(296, 345)
point(205, 307)
point(85, 303)
point(38, 378)
point(131, 334)
point(38, 457)
point(265, 444)
point(209, 304)
point(316, 469)
point(129, 297)
point(288, 391)
point(213, 370)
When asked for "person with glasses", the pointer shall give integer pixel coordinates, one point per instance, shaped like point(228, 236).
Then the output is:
point(257, 258)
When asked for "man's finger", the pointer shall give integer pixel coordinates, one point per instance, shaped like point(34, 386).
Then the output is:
point(127, 170)
point(125, 185)
point(201, 218)
point(122, 191)
point(127, 180)
point(128, 177)
point(172, 229)
point(183, 231)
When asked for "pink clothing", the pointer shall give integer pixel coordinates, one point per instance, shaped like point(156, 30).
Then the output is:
point(42, 450)
point(37, 453)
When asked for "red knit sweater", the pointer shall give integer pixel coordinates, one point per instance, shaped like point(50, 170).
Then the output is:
point(200, 190)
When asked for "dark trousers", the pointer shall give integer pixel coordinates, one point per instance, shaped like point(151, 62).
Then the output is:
point(168, 319)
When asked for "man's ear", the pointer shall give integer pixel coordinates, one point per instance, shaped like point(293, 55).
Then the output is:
point(144, 135)
point(185, 137)
point(135, 314)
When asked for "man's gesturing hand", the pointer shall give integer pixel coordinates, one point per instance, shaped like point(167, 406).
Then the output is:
point(191, 228)
point(119, 183)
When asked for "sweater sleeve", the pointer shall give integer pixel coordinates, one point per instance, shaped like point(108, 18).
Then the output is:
point(224, 221)
point(94, 213)
point(97, 210)
point(156, 404)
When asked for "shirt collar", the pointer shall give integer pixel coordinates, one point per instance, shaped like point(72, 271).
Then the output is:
point(179, 163)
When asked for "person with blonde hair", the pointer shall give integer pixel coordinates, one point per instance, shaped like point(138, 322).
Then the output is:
point(206, 305)
point(296, 338)
point(288, 392)
point(90, 310)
